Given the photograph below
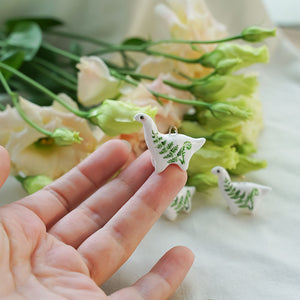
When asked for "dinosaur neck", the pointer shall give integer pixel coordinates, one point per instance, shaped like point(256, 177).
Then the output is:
point(150, 127)
point(225, 179)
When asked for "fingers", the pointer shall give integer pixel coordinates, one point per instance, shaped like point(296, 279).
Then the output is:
point(127, 228)
point(4, 165)
point(94, 213)
point(163, 280)
point(60, 197)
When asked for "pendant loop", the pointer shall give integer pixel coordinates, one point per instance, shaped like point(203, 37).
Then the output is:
point(173, 130)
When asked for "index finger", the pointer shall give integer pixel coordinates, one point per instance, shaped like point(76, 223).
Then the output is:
point(129, 225)
point(67, 192)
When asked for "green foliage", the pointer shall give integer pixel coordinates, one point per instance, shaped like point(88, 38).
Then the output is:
point(44, 23)
point(202, 181)
point(25, 37)
point(12, 58)
point(135, 41)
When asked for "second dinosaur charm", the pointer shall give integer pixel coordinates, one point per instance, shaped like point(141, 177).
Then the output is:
point(181, 203)
point(240, 196)
point(166, 149)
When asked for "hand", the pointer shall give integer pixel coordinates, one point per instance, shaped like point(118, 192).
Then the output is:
point(67, 239)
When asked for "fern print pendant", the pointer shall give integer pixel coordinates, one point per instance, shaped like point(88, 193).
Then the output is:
point(240, 196)
point(181, 203)
point(166, 149)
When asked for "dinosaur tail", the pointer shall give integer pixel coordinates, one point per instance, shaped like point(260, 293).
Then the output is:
point(200, 142)
point(266, 190)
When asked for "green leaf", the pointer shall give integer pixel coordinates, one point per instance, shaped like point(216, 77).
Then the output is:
point(26, 37)
point(44, 23)
point(14, 59)
point(134, 41)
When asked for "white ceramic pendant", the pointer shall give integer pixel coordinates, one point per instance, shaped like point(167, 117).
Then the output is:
point(166, 149)
point(240, 196)
point(181, 203)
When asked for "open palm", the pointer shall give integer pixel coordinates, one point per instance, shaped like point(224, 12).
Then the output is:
point(67, 239)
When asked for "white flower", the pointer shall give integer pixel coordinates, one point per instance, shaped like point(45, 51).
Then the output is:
point(190, 20)
point(186, 20)
point(168, 114)
point(95, 84)
point(32, 157)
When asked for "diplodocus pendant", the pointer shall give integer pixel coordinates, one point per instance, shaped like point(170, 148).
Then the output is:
point(240, 196)
point(166, 149)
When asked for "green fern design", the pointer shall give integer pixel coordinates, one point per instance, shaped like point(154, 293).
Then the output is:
point(171, 152)
point(239, 198)
point(182, 203)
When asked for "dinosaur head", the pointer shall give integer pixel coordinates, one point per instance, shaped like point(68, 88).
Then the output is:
point(140, 117)
point(218, 171)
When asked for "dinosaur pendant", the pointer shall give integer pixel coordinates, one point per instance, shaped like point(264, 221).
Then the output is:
point(166, 149)
point(240, 196)
point(181, 203)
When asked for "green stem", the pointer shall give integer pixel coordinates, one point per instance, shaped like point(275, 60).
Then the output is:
point(145, 50)
point(77, 36)
point(182, 101)
point(56, 69)
point(60, 52)
point(174, 57)
point(183, 87)
point(54, 77)
point(15, 101)
point(119, 48)
point(117, 75)
point(94, 41)
point(232, 38)
point(40, 87)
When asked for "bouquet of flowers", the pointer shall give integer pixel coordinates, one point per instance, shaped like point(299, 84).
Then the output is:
point(58, 105)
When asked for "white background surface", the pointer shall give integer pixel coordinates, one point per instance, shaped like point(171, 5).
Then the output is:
point(284, 12)
point(237, 257)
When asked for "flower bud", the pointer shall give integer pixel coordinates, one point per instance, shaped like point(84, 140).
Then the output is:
point(256, 34)
point(33, 184)
point(227, 66)
point(117, 117)
point(65, 137)
point(225, 137)
point(221, 87)
point(95, 84)
point(224, 110)
point(246, 54)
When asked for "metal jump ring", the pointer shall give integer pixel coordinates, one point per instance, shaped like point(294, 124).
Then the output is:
point(173, 130)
